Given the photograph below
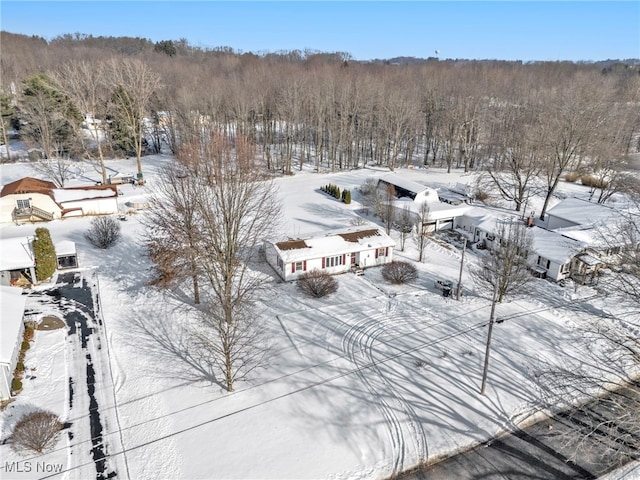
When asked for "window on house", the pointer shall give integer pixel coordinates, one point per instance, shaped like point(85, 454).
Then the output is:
point(381, 252)
point(299, 266)
point(280, 263)
point(23, 203)
point(543, 262)
point(565, 268)
point(333, 261)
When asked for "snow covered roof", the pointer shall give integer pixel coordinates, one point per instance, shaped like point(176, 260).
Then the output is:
point(65, 247)
point(408, 185)
point(582, 212)
point(334, 242)
point(62, 195)
point(16, 253)
point(12, 304)
point(437, 210)
point(554, 246)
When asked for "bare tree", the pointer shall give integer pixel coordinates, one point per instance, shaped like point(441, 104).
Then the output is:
point(571, 118)
point(133, 85)
point(237, 210)
point(57, 169)
point(388, 208)
point(173, 228)
point(503, 271)
point(85, 84)
point(513, 146)
point(405, 224)
point(505, 267)
point(236, 348)
point(605, 422)
point(423, 229)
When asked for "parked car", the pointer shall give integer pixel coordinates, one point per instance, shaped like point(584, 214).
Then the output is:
point(442, 284)
point(446, 286)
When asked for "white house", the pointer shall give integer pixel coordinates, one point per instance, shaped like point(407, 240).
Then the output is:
point(12, 304)
point(33, 200)
point(17, 263)
point(553, 255)
point(334, 252)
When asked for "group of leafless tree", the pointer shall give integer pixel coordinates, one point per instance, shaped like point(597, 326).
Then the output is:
point(527, 125)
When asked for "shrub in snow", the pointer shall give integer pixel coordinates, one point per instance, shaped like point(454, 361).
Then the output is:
point(16, 385)
point(45, 254)
point(103, 232)
point(317, 283)
point(346, 196)
point(36, 431)
point(399, 272)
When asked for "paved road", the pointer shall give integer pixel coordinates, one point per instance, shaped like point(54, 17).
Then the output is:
point(540, 451)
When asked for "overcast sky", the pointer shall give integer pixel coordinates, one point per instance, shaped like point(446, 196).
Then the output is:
point(503, 30)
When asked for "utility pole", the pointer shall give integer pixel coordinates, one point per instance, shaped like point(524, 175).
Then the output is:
point(488, 351)
point(459, 289)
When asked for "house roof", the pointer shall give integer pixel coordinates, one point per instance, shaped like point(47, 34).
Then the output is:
point(582, 212)
point(554, 246)
point(12, 304)
point(59, 195)
point(16, 253)
point(72, 194)
point(334, 242)
point(437, 210)
point(27, 185)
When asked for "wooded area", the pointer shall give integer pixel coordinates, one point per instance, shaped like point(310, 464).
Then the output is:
point(516, 121)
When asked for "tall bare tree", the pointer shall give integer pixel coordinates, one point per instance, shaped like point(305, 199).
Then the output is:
point(173, 229)
point(238, 209)
point(503, 271)
point(133, 85)
point(85, 84)
point(423, 229)
point(572, 116)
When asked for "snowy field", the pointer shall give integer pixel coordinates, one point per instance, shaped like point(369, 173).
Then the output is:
point(362, 384)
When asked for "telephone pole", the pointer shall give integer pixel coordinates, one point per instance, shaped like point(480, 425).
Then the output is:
point(492, 319)
point(459, 289)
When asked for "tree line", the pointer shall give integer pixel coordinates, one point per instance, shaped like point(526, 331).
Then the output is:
point(526, 126)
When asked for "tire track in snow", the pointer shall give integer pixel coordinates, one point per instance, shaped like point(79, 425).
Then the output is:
point(358, 343)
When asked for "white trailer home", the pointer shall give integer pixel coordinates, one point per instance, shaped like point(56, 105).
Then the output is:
point(336, 251)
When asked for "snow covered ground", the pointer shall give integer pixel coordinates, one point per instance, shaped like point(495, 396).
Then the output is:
point(362, 384)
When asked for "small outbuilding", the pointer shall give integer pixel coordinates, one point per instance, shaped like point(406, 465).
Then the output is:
point(336, 251)
point(67, 254)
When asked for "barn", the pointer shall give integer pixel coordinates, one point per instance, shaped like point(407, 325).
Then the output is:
point(335, 251)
